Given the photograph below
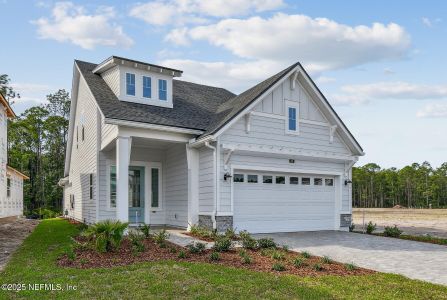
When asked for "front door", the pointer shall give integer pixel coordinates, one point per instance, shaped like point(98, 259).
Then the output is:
point(136, 194)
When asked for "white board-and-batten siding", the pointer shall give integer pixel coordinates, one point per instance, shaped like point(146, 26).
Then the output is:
point(84, 156)
point(206, 180)
point(268, 130)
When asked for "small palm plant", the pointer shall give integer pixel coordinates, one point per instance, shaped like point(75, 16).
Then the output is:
point(107, 235)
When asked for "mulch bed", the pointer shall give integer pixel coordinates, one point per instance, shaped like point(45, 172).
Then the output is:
point(90, 258)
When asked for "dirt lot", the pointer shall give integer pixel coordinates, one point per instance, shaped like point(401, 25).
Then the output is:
point(411, 221)
point(12, 232)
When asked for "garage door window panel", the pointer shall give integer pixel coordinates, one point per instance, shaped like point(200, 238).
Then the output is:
point(305, 181)
point(318, 181)
point(293, 180)
point(267, 179)
point(280, 179)
point(252, 178)
point(238, 178)
point(329, 182)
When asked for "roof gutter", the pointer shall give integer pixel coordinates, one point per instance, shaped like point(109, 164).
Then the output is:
point(152, 126)
point(199, 142)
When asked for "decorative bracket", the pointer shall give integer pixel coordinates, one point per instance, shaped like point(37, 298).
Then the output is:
point(349, 165)
point(227, 157)
point(247, 122)
point(331, 133)
point(293, 80)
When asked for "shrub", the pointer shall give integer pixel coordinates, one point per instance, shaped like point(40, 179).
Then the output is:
point(305, 254)
point(351, 227)
point(285, 248)
point(278, 267)
point(136, 240)
point(248, 242)
point(231, 233)
point(317, 267)
point(392, 231)
point(196, 247)
point(107, 235)
point(326, 260)
point(161, 237)
point(173, 250)
point(222, 244)
point(202, 232)
point(246, 259)
point(71, 255)
point(265, 252)
point(278, 255)
point(298, 262)
point(350, 267)
point(370, 227)
point(242, 253)
point(80, 245)
point(145, 230)
point(266, 243)
point(214, 256)
point(182, 254)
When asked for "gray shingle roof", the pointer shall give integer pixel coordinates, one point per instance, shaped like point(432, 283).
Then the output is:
point(194, 104)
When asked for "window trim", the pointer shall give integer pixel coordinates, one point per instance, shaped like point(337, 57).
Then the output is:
point(160, 90)
point(296, 106)
point(144, 87)
point(134, 85)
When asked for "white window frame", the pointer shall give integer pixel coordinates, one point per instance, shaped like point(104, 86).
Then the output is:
point(296, 106)
point(143, 87)
point(161, 80)
point(135, 84)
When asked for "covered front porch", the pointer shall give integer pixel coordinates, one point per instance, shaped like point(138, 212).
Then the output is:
point(144, 179)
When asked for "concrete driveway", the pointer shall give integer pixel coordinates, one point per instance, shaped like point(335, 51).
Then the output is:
point(412, 259)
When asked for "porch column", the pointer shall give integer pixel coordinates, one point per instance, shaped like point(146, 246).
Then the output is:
point(192, 156)
point(123, 145)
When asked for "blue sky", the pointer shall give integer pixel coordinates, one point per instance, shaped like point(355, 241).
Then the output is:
point(381, 64)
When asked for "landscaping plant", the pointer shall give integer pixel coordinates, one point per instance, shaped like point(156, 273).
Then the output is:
point(182, 254)
point(371, 227)
point(107, 235)
point(326, 260)
point(277, 255)
point(222, 244)
point(317, 267)
point(196, 247)
point(161, 237)
point(298, 262)
point(136, 239)
point(266, 243)
point(350, 267)
point(305, 254)
point(231, 233)
point(278, 267)
point(392, 231)
point(248, 242)
point(214, 256)
point(145, 230)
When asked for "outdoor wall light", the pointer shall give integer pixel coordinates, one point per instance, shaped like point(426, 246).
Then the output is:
point(227, 175)
point(347, 181)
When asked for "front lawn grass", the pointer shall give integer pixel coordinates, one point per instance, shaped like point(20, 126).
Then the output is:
point(35, 262)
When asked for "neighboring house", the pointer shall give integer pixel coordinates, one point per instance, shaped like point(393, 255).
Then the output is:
point(144, 147)
point(11, 180)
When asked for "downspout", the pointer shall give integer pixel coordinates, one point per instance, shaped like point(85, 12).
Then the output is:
point(213, 216)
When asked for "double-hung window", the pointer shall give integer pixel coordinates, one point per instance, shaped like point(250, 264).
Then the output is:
point(292, 112)
point(162, 89)
point(130, 84)
point(147, 87)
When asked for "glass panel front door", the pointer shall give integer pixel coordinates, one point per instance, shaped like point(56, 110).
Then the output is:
point(136, 194)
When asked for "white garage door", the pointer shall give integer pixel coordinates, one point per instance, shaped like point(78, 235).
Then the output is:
point(276, 202)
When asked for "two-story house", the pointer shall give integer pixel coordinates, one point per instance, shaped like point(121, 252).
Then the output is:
point(145, 147)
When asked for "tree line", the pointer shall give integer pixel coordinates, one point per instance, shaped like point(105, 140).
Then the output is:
point(37, 140)
point(417, 185)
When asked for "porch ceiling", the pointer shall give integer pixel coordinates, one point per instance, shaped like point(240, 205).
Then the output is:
point(151, 143)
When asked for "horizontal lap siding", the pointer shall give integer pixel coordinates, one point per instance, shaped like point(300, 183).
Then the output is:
point(84, 157)
point(206, 180)
point(176, 187)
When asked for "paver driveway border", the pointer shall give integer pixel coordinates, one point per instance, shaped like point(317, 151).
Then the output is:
point(413, 259)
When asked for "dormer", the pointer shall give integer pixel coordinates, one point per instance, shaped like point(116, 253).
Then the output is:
point(139, 82)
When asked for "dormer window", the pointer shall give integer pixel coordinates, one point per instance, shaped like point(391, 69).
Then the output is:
point(162, 89)
point(130, 84)
point(147, 87)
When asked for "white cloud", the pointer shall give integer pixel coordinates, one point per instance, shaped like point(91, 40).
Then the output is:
point(196, 11)
point(429, 22)
point(324, 79)
point(364, 93)
point(320, 44)
point(71, 23)
point(433, 110)
point(388, 71)
point(32, 92)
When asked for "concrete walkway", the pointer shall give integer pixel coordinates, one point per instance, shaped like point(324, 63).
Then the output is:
point(409, 258)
